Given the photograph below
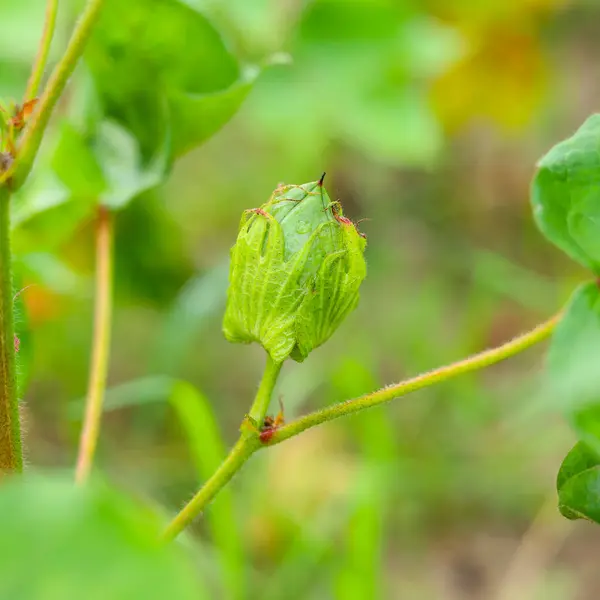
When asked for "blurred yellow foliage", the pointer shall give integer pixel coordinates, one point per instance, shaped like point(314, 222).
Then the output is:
point(503, 73)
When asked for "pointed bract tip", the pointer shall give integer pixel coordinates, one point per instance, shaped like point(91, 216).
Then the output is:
point(322, 178)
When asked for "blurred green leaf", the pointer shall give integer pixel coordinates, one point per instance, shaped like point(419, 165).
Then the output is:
point(578, 484)
point(120, 161)
point(85, 169)
point(160, 65)
point(40, 193)
point(106, 165)
point(201, 300)
point(74, 163)
point(197, 117)
point(208, 450)
point(580, 458)
point(573, 372)
point(152, 262)
point(370, 63)
point(566, 196)
point(65, 542)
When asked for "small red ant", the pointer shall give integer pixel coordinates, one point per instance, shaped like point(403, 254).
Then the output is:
point(270, 425)
point(258, 211)
point(336, 210)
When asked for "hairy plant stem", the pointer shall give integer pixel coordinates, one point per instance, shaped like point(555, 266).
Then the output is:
point(265, 390)
point(32, 136)
point(11, 459)
point(247, 445)
point(243, 449)
point(44, 48)
point(100, 345)
point(386, 394)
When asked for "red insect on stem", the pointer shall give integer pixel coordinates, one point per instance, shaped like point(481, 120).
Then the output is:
point(336, 212)
point(271, 425)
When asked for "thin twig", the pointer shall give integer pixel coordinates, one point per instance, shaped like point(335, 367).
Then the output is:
point(101, 345)
point(386, 394)
point(44, 49)
point(247, 444)
point(32, 136)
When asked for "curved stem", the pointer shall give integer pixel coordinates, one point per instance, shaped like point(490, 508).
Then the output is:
point(239, 454)
point(32, 136)
point(247, 445)
point(11, 459)
point(244, 448)
point(101, 345)
point(42, 56)
point(386, 394)
point(265, 390)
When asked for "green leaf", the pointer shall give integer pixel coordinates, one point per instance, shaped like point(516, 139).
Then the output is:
point(580, 458)
point(208, 450)
point(41, 192)
point(573, 374)
point(160, 65)
point(566, 196)
point(74, 163)
point(62, 542)
point(578, 484)
point(197, 117)
point(199, 302)
point(120, 161)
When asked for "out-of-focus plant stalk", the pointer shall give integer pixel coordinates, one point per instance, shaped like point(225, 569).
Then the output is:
point(248, 444)
point(101, 344)
point(11, 459)
point(34, 132)
point(41, 58)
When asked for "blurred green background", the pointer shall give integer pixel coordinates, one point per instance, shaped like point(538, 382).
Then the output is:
point(429, 118)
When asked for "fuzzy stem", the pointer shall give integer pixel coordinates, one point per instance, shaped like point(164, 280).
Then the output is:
point(42, 56)
point(32, 136)
point(101, 345)
point(239, 454)
point(11, 459)
point(265, 390)
point(386, 394)
point(246, 446)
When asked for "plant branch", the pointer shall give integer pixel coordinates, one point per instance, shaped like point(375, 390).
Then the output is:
point(265, 390)
point(244, 448)
point(11, 459)
point(101, 345)
point(42, 55)
point(248, 444)
point(32, 136)
point(240, 453)
point(386, 394)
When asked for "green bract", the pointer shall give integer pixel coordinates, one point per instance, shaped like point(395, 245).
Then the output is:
point(295, 273)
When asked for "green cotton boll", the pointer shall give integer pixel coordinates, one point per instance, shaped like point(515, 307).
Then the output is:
point(295, 272)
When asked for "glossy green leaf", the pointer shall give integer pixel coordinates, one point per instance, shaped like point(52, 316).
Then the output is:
point(160, 65)
point(566, 196)
point(573, 375)
point(580, 458)
point(62, 542)
point(578, 484)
